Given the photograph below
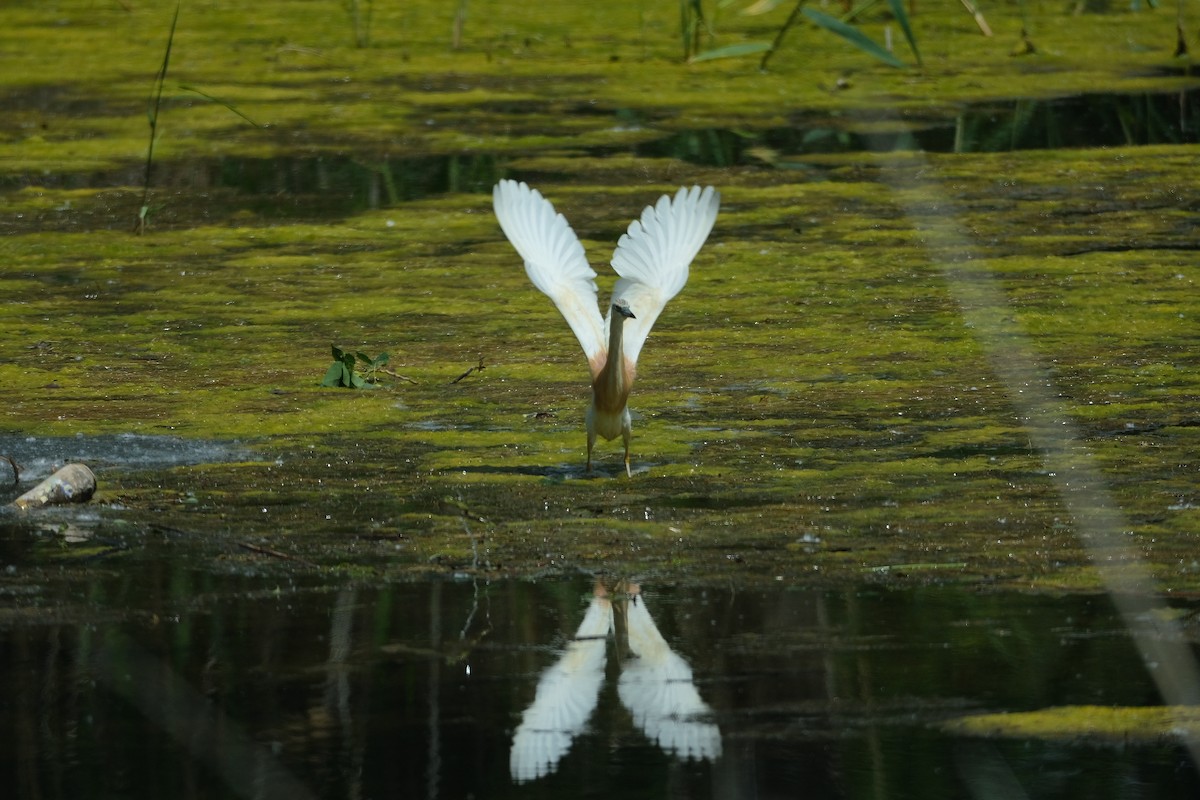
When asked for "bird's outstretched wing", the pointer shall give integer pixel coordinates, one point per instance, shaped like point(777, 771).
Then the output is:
point(554, 261)
point(567, 694)
point(653, 257)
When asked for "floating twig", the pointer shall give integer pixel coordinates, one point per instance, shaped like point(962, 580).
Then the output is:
point(477, 368)
point(266, 551)
point(398, 376)
point(16, 468)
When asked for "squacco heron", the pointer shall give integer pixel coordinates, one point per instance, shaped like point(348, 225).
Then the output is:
point(652, 260)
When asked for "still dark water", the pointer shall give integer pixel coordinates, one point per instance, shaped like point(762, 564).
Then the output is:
point(149, 681)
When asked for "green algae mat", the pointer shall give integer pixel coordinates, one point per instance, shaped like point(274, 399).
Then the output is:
point(890, 363)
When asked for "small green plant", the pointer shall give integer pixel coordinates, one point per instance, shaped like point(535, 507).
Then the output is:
point(152, 112)
point(842, 27)
point(839, 26)
point(341, 372)
point(859, 39)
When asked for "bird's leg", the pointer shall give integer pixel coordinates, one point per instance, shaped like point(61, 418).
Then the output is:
point(591, 443)
point(625, 435)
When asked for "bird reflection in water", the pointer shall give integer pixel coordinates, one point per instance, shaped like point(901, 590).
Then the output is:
point(655, 686)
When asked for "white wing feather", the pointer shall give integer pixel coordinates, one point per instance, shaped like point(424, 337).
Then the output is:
point(658, 689)
point(653, 257)
point(554, 260)
point(567, 694)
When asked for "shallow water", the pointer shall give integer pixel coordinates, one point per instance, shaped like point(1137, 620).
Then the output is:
point(1089, 120)
point(38, 456)
point(157, 681)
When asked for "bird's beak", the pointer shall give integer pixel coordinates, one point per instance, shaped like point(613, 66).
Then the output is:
point(624, 311)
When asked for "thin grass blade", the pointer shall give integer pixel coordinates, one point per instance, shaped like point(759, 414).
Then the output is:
point(732, 51)
point(219, 102)
point(854, 36)
point(901, 16)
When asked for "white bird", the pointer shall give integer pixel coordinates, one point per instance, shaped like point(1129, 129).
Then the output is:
point(652, 260)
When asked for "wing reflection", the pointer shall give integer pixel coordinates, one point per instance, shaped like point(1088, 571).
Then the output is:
point(566, 697)
point(656, 688)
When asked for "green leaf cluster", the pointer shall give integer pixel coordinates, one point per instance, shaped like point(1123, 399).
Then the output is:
point(342, 373)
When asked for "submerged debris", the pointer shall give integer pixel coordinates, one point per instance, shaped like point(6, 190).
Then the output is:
point(74, 483)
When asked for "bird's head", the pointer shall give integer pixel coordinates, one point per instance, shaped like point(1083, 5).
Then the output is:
point(622, 308)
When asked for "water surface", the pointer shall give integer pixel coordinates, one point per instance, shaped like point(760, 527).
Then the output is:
point(156, 681)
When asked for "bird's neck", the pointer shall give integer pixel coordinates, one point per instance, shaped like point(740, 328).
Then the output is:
point(610, 389)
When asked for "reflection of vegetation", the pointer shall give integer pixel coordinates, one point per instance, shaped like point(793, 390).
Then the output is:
point(717, 148)
point(1089, 121)
point(329, 184)
point(337, 667)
